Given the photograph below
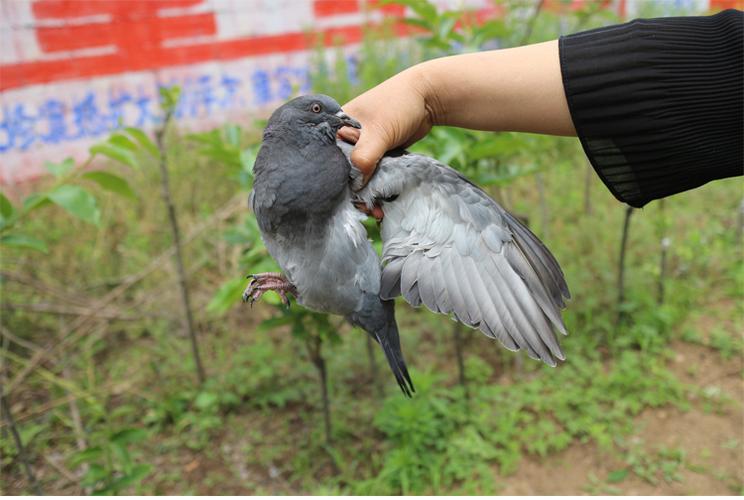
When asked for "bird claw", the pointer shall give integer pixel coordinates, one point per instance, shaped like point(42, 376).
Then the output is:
point(263, 282)
point(375, 211)
point(285, 299)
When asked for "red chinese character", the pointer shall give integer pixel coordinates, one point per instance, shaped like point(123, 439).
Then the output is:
point(134, 28)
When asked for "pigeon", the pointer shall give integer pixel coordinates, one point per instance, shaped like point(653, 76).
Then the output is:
point(446, 244)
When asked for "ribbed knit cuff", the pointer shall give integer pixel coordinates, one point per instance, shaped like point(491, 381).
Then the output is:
point(659, 104)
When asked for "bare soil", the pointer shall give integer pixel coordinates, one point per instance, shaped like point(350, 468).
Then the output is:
point(712, 439)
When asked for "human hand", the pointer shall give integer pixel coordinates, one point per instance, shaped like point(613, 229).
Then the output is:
point(518, 89)
point(393, 114)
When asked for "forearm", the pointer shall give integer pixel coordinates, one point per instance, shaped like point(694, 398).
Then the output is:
point(518, 89)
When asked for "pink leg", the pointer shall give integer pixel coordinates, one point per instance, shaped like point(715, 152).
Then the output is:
point(264, 282)
point(375, 211)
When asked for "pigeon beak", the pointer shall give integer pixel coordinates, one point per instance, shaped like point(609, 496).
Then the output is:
point(347, 120)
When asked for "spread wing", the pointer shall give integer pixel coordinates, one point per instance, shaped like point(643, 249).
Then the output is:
point(450, 247)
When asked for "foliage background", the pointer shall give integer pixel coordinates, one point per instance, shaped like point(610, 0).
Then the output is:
point(100, 378)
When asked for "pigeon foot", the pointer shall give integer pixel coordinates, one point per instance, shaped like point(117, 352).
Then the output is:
point(263, 282)
point(375, 211)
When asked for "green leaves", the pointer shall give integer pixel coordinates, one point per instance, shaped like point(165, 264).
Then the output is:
point(23, 241)
point(124, 145)
point(111, 182)
point(129, 436)
point(144, 141)
point(6, 210)
point(60, 169)
point(6, 207)
point(34, 201)
point(426, 11)
point(617, 476)
point(223, 146)
point(111, 467)
point(206, 400)
point(227, 295)
point(78, 202)
point(74, 199)
point(121, 146)
point(115, 152)
point(122, 141)
point(169, 98)
point(88, 455)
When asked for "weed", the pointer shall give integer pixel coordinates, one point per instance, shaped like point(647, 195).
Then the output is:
point(111, 468)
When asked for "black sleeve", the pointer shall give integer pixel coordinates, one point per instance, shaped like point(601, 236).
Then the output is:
point(658, 103)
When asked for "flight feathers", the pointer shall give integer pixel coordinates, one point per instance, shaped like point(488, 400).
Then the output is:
point(449, 246)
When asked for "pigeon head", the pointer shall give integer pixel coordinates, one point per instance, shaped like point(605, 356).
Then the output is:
point(319, 111)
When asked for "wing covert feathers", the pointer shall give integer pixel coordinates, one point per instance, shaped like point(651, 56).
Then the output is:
point(450, 247)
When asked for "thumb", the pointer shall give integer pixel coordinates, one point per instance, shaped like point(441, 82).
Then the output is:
point(368, 150)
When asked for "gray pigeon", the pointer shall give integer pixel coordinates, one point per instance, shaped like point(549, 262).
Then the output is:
point(446, 244)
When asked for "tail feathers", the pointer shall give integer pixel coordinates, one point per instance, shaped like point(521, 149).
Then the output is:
point(390, 343)
point(377, 318)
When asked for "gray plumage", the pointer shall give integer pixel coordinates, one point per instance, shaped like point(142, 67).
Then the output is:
point(449, 246)
point(302, 201)
point(446, 244)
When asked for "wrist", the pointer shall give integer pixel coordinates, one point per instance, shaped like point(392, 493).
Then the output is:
point(426, 83)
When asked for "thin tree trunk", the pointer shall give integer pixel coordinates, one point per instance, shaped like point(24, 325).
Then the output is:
point(588, 190)
point(740, 223)
point(531, 23)
point(326, 401)
point(168, 199)
point(457, 338)
point(519, 363)
point(314, 345)
point(663, 258)
point(665, 243)
point(621, 267)
point(77, 425)
point(544, 222)
point(22, 457)
point(373, 366)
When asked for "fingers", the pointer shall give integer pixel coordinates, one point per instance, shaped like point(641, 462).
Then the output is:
point(392, 113)
point(349, 134)
point(370, 147)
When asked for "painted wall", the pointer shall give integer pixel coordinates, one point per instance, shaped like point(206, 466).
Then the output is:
point(73, 70)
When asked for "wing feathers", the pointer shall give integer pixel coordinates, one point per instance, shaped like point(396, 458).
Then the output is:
point(390, 281)
point(449, 246)
point(409, 274)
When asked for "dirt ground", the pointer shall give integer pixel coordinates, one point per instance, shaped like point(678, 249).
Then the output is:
point(712, 440)
point(709, 436)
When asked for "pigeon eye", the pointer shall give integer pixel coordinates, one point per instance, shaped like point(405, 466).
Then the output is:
point(315, 108)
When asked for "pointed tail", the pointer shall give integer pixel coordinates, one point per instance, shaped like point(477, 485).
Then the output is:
point(377, 318)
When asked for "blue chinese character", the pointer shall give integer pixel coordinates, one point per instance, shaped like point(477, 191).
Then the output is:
point(202, 96)
point(89, 120)
point(284, 76)
point(352, 71)
point(145, 117)
point(19, 128)
point(261, 87)
point(231, 86)
point(291, 79)
point(5, 130)
point(116, 108)
point(53, 110)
